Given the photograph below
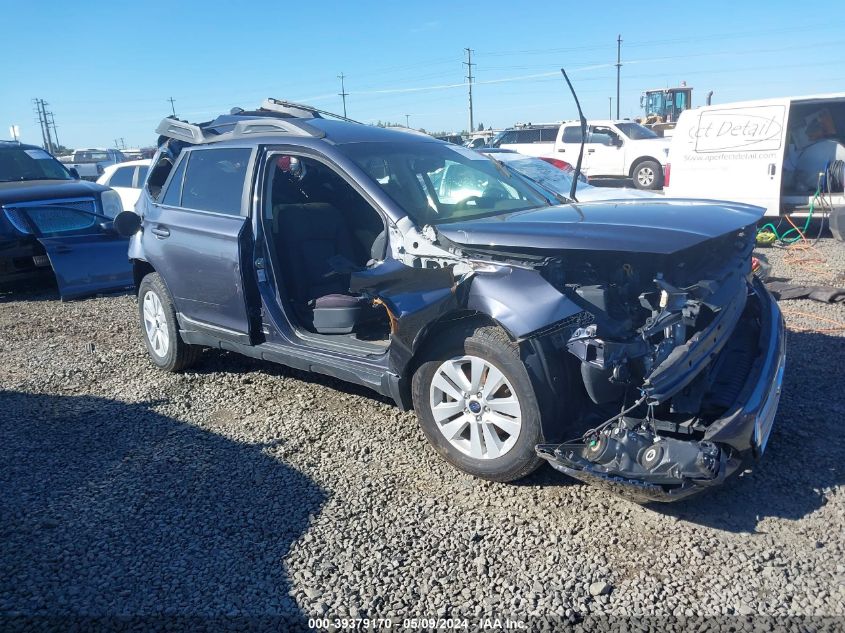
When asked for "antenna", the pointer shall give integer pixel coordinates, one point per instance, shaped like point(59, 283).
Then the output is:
point(583, 138)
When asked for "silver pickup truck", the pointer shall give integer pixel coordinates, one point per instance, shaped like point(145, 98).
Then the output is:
point(91, 163)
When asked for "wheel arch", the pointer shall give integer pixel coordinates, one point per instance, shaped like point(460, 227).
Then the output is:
point(556, 386)
point(140, 269)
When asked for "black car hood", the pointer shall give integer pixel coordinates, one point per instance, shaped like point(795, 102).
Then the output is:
point(32, 190)
point(644, 226)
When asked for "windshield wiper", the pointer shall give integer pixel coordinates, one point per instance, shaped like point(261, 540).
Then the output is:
point(499, 165)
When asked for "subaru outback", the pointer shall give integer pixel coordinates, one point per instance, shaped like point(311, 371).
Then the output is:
point(625, 342)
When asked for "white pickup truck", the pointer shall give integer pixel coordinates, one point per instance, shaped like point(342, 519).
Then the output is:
point(613, 149)
point(90, 164)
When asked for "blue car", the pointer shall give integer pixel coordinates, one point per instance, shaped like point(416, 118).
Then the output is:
point(508, 318)
point(54, 225)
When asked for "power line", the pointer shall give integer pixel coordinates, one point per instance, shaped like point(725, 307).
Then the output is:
point(468, 63)
point(343, 94)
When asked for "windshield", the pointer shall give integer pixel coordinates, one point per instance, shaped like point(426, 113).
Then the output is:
point(551, 177)
point(19, 163)
point(635, 131)
point(436, 183)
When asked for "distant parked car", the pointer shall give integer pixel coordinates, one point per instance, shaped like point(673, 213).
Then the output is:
point(49, 220)
point(126, 179)
point(556, 175)
point(90, 164)
point(613, 149)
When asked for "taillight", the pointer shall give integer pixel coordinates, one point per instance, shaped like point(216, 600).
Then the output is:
point(667, 171)
point(560, 164)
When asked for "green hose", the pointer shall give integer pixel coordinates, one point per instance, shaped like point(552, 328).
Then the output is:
point(771, 228)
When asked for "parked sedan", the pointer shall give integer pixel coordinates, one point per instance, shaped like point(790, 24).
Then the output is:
point(126, 179)
point(556, 175)
point(52, 222)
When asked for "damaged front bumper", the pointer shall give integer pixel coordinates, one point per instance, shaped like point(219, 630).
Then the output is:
point(666, 467)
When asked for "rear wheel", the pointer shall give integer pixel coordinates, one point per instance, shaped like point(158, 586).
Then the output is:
point(477, 407)
point(648, 175)
point(165, 347)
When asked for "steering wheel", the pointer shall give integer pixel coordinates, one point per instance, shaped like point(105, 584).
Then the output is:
point(465, 202)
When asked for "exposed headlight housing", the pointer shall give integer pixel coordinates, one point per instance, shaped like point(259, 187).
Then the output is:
point(110, 201)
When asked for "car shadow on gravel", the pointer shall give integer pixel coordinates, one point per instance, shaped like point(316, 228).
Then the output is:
point(805, 454)
point(109, 508)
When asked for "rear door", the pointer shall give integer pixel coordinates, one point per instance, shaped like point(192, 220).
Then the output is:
point(732, 153)
point(569, 145)
point(199, 237)
point(86, 255)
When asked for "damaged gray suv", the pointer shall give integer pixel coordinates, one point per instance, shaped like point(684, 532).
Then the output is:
point(625, 342)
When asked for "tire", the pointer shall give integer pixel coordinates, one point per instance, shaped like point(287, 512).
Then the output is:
point(160, 329)
point(648, 175)
point(498, 453)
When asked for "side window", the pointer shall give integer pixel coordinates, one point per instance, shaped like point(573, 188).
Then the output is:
point(214, 180)
point(122, 177)
point(548, 134)
point(528, 136)
point(52, 220)
point(174, 189)
point(572, 134)
point(508, 137)
point(602, 136)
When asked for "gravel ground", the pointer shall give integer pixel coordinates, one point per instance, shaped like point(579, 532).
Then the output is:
point(247, 489)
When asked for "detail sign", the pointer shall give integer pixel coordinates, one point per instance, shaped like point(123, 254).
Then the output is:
point(758, 128)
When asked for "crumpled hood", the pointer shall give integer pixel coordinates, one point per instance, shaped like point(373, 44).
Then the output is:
point(34, 190)
point(645, 226)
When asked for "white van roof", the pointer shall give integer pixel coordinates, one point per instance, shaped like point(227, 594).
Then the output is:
point(757, 102)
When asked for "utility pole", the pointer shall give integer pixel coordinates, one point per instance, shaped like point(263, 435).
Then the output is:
point(610, 107)
point(53, 125)
point(172, 107)
point(343, 94)
point(45, 125)
point(618, 69)
point(468, 63)
point(407, 120)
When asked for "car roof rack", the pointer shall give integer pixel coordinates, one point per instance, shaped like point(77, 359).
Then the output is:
point(196, 134)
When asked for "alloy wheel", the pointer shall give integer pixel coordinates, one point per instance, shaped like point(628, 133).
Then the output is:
point(155, 324)
point(645, 176)
point(475, 407)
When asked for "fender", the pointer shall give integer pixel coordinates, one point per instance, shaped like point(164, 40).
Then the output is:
point(520, 299)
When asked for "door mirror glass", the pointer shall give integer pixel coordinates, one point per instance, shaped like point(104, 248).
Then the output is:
point(126, 223)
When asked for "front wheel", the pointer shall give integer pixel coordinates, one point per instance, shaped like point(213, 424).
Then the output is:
point(165, 347)
point(477, 407)
point(648, 175)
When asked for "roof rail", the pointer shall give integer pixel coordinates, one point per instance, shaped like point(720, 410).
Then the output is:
point(290, 108)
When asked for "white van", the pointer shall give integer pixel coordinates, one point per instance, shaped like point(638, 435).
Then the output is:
point(768, 153)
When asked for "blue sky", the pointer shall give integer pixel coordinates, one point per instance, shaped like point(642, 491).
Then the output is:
point(108, 68)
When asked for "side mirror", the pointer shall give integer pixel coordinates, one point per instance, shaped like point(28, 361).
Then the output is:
point(74, 173)
point(126, 223)
point(108, 227)
point(616, 141)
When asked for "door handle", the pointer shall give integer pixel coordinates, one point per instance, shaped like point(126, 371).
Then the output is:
point(561, 150)
point(590, 151)
point(772, 170)
point(160, 231)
